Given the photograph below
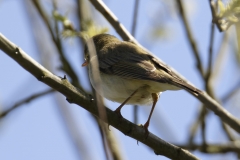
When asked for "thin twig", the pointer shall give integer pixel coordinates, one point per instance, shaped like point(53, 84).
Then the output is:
point(208, 77)
point(113, 147)
point(194, 127)
point(199, 63)
point(76, 130)
point(230, 93)
point(45, 18)
point(113, 20)
point(208, 86)
point(83, 15)
point(133, 31)
point(210, 62)
point(79, 143)
point(214, 148)
point(57, 41)
point(203, 126)
point(101, 131)
point(190, 38)
point(134, 24)
point(217, 66)
point(111, 141)
point(227, 131)
point(24, 101)
point(220, 57)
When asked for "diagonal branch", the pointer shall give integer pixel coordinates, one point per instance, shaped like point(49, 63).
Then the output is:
point(76, 96)
point(232, 92)
point(112, 19)
point(26, 100)
point(209, 102)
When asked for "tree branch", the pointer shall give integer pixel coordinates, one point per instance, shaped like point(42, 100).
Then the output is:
point(203, 96)
point(108, 139)
point(112, 19)
point(214, 148)
point(26, 100)
point(230, 93)
point(133, 31)
point(84, 100)
point(190, 37)
point(135, 15)
point(58, 44)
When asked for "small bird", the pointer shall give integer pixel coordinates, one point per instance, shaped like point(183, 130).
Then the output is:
point(129, 74)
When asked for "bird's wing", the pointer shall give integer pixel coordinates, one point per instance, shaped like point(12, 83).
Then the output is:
point(132, 66)
point(139, 66)
point(175, 79)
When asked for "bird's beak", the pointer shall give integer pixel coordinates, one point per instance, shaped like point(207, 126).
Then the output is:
point(84, 64)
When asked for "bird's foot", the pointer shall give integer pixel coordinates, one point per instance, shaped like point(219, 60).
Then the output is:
point(145, 126)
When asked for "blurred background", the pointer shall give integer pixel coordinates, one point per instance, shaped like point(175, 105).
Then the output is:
point(38, 123)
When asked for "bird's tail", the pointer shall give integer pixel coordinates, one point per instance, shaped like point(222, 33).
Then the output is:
point(186, 86)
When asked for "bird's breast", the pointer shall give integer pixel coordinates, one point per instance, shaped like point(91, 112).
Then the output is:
point(118, 89)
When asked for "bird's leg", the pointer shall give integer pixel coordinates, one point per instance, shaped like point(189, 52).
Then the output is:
point(155, 99)
point(118, 110)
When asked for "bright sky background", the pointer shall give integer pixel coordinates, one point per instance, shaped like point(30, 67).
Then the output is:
point(36, 131)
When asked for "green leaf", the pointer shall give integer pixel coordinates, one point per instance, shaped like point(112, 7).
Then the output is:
point(221, 8)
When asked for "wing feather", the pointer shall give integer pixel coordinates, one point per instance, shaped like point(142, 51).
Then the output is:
point(138, 66)
point(132, 66)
